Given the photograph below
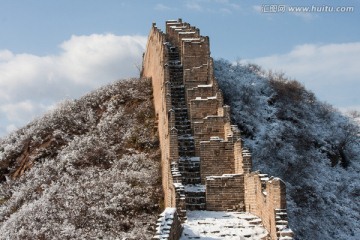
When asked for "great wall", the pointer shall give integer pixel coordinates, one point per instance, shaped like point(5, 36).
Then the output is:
point(204, 163)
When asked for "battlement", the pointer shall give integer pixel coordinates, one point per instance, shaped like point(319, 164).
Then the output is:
point(204, 163)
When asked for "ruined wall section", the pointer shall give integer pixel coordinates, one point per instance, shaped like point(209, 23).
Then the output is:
point(168, 225)
point(266, 198)
point(176, 30)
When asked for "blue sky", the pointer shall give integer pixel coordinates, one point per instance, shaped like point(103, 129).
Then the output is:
point(54, 50)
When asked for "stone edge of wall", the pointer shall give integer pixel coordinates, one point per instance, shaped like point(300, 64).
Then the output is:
point(266, 197)
point(168, 225)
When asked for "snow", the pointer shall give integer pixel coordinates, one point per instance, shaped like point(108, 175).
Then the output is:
point(164, 223)
point(195, 188)
point(190, 39)
point(186, 33)
point(222, 176)
point(192, 159)
point(215, 138)
point(177, 26)
point(178, 185)
point(207, 225)
point(204, 85)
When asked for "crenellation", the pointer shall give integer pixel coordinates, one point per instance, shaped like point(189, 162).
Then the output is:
point(204, 163)
point(264, 196)
point(168, 225)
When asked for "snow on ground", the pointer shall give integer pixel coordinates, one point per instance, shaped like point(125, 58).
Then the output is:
point(210, 225)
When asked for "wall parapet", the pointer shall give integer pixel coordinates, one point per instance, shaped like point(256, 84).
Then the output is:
point(168, 226)
point(266, 197)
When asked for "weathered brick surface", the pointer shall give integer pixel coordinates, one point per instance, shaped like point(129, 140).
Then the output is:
point(201, 108)
point(265, 196)
point(168, 225)
point(153, 62)
point(225, 192)
point(217, 158)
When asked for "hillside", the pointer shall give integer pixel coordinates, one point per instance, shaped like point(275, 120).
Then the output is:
point(307, 143)
point(91, 167)
point(88, 169)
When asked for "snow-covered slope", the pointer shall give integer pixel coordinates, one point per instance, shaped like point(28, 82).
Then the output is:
point(309, 144)
point(90, 169)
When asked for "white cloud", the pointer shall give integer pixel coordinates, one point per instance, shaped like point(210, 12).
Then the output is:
point(30, 84)
point(306, 16)
point(331, 71)
point(17, 111)
point(212, 6)
point(257, 8)
point(162, 7)
point(225, 10)
point(194, 5)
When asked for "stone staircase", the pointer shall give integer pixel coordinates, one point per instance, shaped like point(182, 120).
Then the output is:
point(188, 165)
point(282, 230)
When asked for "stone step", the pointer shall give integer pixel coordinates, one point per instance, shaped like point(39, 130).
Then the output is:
point(178, 95)
point(183, 127)
point(191, 180)
point(188, 140)
point(186, 145)
point(188, 169)
point(182, 119)
point(187, 153)
point(184, 132)
point(181, 113)
point(178, 105)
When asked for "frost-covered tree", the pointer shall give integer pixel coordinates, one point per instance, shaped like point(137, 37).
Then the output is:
point(309, 144)
point(88, 169)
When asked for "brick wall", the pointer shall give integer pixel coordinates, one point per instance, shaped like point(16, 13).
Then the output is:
point(168, 225)
point(225, 192)
point(193, 77)
point(153, 67)
point(195, 52)
point(217, 158)
point(210, 126)
point(201, 108)
point(264, 197)
point(202, 91)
